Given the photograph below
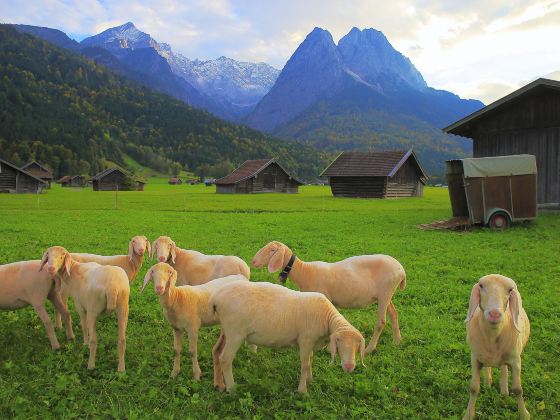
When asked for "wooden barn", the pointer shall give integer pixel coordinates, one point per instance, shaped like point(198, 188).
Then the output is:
point(389, 174)
point(175, 181)
point(39, 171)
point(526, 121)
point(78, 181)
point(258, 176)
point(64, 181)
point(16, 180)
point(113, 179)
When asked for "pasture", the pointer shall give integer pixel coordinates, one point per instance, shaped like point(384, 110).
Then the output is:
point(427, 376)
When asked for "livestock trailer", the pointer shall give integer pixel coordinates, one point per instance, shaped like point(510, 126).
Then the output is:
point(494, 191)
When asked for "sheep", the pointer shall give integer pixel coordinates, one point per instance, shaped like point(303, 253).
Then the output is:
point(497, 331)
point(185, 308)
point(355, 282)
point(194, 268)
point(21, 285)
point(95, 289)
point(271, 315)
point(130, 263)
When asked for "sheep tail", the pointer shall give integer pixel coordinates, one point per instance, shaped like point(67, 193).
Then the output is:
point(112, 295)
point(402, 284)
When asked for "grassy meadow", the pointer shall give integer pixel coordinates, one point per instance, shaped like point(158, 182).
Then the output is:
point(427, 376)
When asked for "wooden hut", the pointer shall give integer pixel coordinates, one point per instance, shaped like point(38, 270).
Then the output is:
point(17, 180)
point(175, 181)
point(39, 171)
point(113, 179)
point(78, 181)
point(64, 181)
point(526, 121)
point(389, 174)
point(258, 176)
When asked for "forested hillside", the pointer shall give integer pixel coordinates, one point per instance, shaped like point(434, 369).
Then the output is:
point(73, 114)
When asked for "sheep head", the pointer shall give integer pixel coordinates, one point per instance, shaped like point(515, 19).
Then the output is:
point(58, 261)
point(273, 255)
point(165, 249)
point(138, 245)
point(494, 294)
point(347, 343)
point(164, 277)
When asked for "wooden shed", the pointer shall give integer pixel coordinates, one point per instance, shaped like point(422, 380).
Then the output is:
point(175, 181)
point(258, 176)
point(113, 179)
point(16, 180)
point(64, 181)
point(78, 181)
point(526, 121)
point(39, 171)
point(388, 174)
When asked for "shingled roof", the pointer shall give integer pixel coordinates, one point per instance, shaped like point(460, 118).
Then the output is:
point(37, 170)
point(249, 169)
point(11, 165)
point(384, 164)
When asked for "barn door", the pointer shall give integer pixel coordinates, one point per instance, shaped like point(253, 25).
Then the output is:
point(269, 182)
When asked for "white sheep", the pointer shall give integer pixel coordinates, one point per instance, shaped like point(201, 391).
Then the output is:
point(194, 268)
point(21, 284)
point(95, 289)
point(186, 308)
point(270, 315)
point(130, 263)
point(355, 282)
point(497, 331)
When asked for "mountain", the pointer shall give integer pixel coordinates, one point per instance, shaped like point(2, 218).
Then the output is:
point(361, 94)
point(54, 36)
point(75, 115)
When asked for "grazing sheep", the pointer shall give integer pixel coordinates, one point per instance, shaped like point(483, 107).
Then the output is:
point(130, 263)
point(355, 282)
point(186, 308)
point(497, 331)
point(95, 289)
point(21, 285)
point(270, 315)
point(194, 268)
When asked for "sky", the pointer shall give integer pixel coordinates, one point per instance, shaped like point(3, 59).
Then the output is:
point(481, 49)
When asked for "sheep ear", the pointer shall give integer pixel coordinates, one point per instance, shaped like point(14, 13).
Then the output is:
point(154, 249)
point(333, 347)
point(362, 350)
point(43, 261)
point(130, 250)
point(276, 261)
point(148, 247)
point(474, 302)
point(173, 252)
point(515, 308)
point(172, 278)
point(67, 262)
point(147, 279)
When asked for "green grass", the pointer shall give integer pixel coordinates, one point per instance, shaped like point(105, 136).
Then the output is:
point(427, 376)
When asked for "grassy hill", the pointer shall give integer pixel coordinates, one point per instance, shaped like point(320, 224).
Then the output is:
point(71, 113)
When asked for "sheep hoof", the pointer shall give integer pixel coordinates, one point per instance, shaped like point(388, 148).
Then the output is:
point(397, 341)
point(90, 367)
point(302, 390)
point(524, 415)
point(70, 337)
point(504, 391)
point(220, 387)
point(370, 350)
point(174, 373)
point(55, 346)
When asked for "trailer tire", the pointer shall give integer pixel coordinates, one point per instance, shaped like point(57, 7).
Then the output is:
point(499, 220)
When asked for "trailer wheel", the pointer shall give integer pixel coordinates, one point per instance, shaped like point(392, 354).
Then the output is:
point(499, 220)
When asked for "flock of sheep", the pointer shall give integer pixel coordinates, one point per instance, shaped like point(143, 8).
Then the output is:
point(197, 290)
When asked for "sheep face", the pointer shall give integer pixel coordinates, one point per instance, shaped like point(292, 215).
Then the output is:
point(163, 276)
point(271, 254)
point(495, 294)
point(164, 248)
point(138, 246)
point(347, 344)
point(57, 259)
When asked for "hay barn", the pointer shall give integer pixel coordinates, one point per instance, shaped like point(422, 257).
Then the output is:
point(17, 180)
point(389, 174)
point(39, 171)
point(526, 121)
point(258, 176)
point(113, 179)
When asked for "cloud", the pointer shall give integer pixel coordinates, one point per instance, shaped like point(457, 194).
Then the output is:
point(477, 49)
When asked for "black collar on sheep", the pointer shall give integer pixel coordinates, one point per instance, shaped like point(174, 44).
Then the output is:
point(284, 274)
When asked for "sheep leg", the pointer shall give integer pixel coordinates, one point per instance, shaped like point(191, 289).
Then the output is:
point(122, 317)
point(177, 346)
point(305, 351)
point(488, 376)
point(517, 389)
point(380, 324)
point(309, 372)
point(61, 310)
point(504, 380)
point(57, 312)
point(42, 312)
point(91, 321)
point(83, 318)
point(232, 344)
point(216, 351)
point(476, 367)
point(193, 349)
point(394, 317)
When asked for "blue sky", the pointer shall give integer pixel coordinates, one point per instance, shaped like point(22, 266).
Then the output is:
point(479, 49)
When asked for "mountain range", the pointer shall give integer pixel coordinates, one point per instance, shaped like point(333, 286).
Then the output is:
point(358, 94)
